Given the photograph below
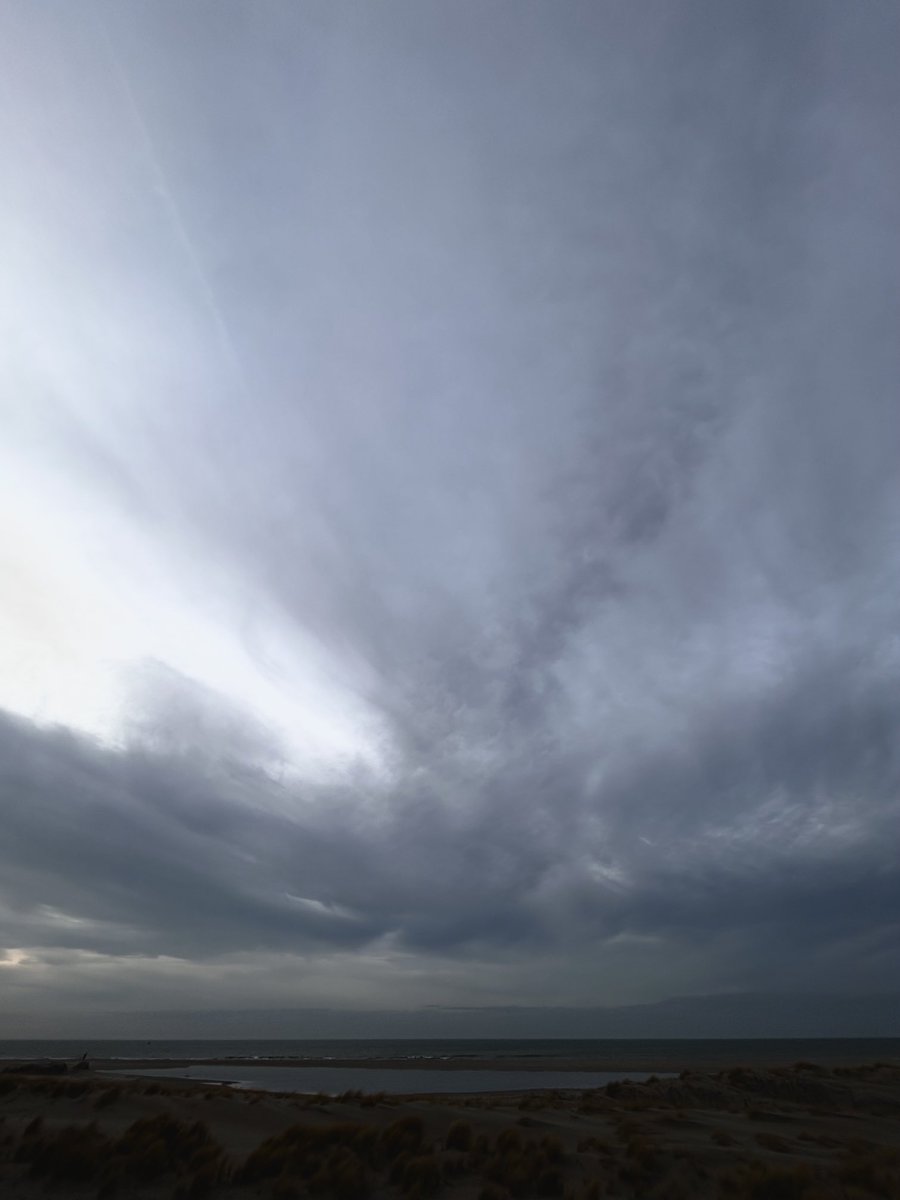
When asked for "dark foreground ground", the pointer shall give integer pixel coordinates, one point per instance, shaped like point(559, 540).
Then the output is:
point(800, 1132)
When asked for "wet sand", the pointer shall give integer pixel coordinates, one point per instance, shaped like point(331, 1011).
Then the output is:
point(404, 1064)
point(689, 1061)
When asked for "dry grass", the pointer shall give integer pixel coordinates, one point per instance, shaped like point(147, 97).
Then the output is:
point(730, 1144)
point(148, 1150)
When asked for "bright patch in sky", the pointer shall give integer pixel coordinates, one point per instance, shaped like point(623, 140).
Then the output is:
point(87, 601)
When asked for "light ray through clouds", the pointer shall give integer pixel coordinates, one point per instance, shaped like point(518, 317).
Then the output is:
point(168, 200)
point(448, 501)
point(92, 594)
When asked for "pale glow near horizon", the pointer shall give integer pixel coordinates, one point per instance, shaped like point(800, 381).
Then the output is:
point(87, 601)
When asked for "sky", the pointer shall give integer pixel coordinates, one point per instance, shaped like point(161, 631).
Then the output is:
point(449, 502)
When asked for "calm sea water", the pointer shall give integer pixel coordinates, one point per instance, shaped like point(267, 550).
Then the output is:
point(649, 1054)
point(331, 1081)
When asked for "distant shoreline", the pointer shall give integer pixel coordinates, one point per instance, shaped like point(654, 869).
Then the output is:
point(687, 1062)
point(662, 1057)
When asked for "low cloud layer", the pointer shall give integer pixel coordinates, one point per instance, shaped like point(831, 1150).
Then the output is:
point(453, 523)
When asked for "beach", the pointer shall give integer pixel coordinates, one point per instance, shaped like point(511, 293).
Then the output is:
point(798, 1131)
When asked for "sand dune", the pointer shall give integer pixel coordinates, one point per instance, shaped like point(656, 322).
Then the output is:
point(798, 1133)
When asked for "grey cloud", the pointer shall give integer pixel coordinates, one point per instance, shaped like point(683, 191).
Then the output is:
point(557, 406)
point(785, 824)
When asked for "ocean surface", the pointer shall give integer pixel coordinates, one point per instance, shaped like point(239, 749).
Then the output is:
point(650, 1054)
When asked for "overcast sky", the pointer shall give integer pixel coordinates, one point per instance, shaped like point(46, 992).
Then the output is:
point(449, 501)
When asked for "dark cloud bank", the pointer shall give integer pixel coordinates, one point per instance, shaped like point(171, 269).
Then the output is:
point(574, 442)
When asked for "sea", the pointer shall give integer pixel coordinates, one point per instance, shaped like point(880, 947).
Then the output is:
point(265, 1064)
point(648, 1052)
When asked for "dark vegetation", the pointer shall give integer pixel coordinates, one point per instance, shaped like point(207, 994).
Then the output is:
point(737, 1135)
point(149, 1150)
